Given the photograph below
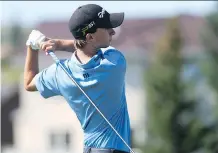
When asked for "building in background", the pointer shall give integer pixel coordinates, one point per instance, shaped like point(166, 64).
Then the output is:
point(9, 103)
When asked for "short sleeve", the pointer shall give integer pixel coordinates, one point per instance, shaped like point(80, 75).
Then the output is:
point(115, 56)
point(46, 82)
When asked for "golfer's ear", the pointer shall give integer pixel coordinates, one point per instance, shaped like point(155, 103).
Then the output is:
point(89, 37)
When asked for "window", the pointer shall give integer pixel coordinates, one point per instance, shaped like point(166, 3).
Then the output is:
point(60, 140)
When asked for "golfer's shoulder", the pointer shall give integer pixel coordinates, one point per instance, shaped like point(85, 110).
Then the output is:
point(111, 49)
point(113, 53)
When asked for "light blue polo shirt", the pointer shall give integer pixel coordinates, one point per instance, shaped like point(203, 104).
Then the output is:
point(103, 80)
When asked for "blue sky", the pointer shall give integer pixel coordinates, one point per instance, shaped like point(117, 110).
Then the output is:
point(31, 13)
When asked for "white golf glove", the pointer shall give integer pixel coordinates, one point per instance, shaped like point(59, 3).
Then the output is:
point(35, 39)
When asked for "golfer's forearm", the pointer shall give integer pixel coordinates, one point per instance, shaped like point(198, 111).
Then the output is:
point(31, 69)
point(65, 45)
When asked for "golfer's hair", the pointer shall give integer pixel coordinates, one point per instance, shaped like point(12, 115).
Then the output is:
point(79, 43)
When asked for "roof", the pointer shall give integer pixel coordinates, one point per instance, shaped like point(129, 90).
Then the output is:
point(138, 34)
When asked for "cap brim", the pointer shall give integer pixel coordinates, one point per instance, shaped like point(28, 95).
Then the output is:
point(116, 19)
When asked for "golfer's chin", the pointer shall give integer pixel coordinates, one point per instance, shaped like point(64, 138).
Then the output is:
point(106, 45)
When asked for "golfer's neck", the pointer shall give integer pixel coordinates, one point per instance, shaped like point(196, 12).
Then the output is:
point(85, 54)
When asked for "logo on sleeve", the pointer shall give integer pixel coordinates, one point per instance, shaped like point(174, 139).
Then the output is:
point(86, 75)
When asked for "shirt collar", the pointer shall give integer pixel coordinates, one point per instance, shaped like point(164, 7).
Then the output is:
point(94, 61)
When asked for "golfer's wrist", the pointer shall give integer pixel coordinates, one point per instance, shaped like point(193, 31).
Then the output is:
point(58, 44)
point(29, 48)
point(64, 45)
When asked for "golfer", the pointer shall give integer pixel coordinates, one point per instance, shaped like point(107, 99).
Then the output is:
point(96, 66)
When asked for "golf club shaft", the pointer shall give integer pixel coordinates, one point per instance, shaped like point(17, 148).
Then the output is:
point(70, 76)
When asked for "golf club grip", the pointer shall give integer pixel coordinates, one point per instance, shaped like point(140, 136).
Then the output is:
point(55, 58)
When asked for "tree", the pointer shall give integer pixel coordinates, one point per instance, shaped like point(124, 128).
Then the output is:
point(162, 87)
point(173, 125)
point(210, 43)
point(16, 35)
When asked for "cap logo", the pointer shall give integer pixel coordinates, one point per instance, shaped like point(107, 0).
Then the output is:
point(90, 25)
point(101, 14)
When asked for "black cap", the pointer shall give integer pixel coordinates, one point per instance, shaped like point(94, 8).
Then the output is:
point(87, 18)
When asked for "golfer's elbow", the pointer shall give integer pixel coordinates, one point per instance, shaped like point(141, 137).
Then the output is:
point(29, 85)
point(29, 88)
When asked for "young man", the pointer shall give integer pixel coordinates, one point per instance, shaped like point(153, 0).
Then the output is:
point(98, 68)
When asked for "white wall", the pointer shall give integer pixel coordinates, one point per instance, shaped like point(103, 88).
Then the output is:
point(37, 117)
